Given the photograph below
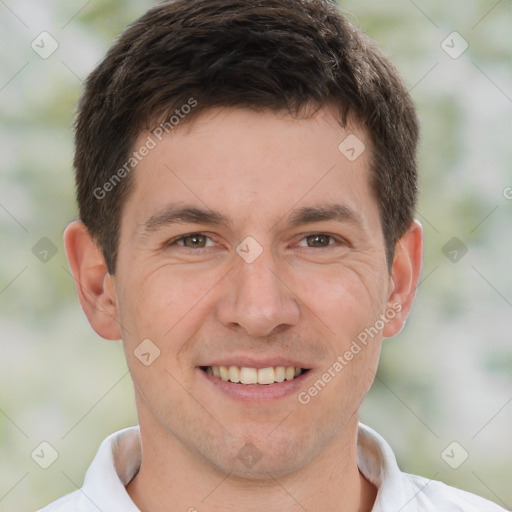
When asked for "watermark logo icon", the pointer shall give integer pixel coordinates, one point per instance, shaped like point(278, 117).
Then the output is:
point(44, 45)
point(44, 455)
point(44, 250)
point(249, 249)
point(454, 45)
point(351, 147)
point(454, 249)
point(146, 352)
point(454, 455)
point(249, 455)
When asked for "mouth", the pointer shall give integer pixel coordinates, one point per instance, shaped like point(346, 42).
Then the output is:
point(247, 376)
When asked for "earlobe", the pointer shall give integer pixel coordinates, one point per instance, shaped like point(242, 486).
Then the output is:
point(404, 278)
point(94, 285)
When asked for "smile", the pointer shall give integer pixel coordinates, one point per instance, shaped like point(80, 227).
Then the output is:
point(255, 376)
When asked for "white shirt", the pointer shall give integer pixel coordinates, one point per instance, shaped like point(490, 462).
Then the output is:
point(118, 460)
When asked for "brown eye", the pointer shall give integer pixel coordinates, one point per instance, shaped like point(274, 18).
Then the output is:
point(318, 240)
point(194, 241)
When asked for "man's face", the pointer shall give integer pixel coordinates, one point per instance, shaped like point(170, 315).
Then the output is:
point(286, 268)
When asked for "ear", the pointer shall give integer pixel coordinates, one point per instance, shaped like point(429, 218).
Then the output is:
point(94, 285)
point(404, 278)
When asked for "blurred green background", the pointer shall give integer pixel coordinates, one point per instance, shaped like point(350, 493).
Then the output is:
point(446, 377)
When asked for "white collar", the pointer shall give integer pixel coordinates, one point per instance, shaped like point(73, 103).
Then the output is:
point(118, 460)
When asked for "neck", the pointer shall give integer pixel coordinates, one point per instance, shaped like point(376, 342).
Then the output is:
point(171, 475)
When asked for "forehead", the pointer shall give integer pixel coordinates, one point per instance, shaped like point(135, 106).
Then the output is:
point(256, 165)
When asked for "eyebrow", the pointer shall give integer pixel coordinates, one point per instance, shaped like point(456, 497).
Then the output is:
point(184, 215)
point(336, 212)
point(173, 214)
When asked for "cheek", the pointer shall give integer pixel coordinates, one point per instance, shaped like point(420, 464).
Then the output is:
point(345, 301)
point(166, 305)
point(350, 305)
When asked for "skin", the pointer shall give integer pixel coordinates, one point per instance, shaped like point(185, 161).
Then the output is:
point(303, 297)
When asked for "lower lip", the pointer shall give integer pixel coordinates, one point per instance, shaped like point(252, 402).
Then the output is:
point(258, 392)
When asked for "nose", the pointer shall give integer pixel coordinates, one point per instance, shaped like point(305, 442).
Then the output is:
point(257, 298)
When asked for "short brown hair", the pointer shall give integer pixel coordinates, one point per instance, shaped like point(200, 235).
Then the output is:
point(262, 54)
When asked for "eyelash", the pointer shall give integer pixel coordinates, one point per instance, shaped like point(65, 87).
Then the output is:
point(336, 240)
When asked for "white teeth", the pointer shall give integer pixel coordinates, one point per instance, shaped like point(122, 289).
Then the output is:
point(224, 373)
point(266, 375)
point(246, 375)
point(280, 373)
point(234, 374)
point(290, 373)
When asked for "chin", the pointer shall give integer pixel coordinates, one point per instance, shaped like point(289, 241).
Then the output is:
point(260, 457)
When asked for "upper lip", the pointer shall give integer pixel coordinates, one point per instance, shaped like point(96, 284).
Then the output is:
point(253, 362)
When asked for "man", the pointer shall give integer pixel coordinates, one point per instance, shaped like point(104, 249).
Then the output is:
point(246, 183)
